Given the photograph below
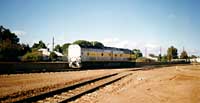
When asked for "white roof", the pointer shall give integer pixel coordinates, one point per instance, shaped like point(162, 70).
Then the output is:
point(44, 51)
point(153, 58)
point(58, 53)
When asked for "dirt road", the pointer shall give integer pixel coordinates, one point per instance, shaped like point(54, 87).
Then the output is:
point(177, 84)
point(21, 84)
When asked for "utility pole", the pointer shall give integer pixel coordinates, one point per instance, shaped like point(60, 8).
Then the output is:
point(160, 50)
point(53, 44)
point(160, 54)
point(145, 51)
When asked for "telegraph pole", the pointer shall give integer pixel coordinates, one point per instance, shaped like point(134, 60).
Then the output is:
point(160, 50)
point(160, 55)
point(53, 44)
point(145, 51)
point(183, 48)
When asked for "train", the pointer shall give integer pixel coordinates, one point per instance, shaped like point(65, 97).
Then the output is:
point(80, 57)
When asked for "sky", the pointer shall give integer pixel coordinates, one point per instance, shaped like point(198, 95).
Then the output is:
point(153, 25)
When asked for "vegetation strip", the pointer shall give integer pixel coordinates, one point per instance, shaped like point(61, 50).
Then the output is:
point(51, 93)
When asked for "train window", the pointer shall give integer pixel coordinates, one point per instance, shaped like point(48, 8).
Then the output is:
point(88, 54)
point(109, 54)
point(120, 55)
point(115, 54)
point(101, 54)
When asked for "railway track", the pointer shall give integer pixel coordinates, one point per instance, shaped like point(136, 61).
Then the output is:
point(75, 91)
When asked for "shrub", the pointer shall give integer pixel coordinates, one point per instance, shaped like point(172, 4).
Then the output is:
point(53, 56)
point(32, 56)
point(143, 59)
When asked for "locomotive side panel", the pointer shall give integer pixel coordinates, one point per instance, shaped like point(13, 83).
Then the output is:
point(89, 54)
point(96, 55)
point(92, 57)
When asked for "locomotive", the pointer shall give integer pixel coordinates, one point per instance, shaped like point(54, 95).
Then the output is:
point(79, 57)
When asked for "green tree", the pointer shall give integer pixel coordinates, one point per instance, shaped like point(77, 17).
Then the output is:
point(65, 48)
point(137, 53)
point(32, 56)
point(58, 48)
point(172, 53)
point(39, 45)
point(25, 49)
point(193, 56)
point(152, 55)
point(97, 44)
point(159, 57)
point(9, 45)
point(53, 56)
point(5, 34)
point(164, 58)
point(184, 55)
point(83, 43)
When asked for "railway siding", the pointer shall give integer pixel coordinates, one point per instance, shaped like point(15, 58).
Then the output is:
point(26, 85)
point(72, 92)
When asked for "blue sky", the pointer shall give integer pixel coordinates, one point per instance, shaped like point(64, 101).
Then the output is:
point(129, 24)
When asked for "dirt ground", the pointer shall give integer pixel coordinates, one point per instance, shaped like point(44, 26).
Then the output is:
point(176, 84)
point(19, 84)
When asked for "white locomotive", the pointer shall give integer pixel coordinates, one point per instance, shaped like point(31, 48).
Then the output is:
point(98, 57)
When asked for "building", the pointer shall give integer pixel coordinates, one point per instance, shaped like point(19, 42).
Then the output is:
point(152, 58)
point(195, 60)
point(46, 53)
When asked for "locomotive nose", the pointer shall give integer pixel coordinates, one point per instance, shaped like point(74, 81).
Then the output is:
point(73, 59)
point(75, 62)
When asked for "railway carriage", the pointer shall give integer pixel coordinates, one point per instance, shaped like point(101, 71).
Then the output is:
point(79, 57)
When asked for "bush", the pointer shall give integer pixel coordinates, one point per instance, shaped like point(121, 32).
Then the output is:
point(32, 56)
point(143, 59)
point(53, 56)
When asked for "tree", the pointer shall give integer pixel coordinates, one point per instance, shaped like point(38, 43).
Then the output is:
point(83, 43)
point(25, 49)
point(184, 55)
point(9, 45)
point(137, 53)
point(87, 44)
point(39, 45)
point(159, 57)
point(97, 44)
point(58, 48)
point(53, 56)
point(152, 55)
point(5, 34)
point(172, 53)
point(193, 56)
point(32, 56)
point(65, 48)
point(164, 58)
